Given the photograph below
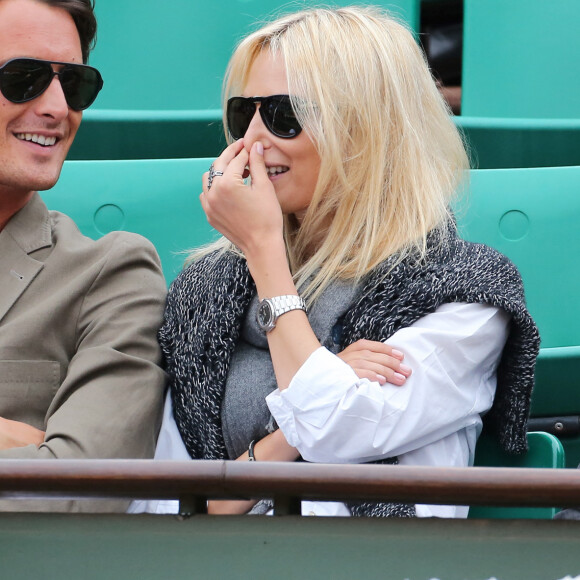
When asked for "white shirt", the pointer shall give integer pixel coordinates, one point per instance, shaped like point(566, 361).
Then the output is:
point(332, 416)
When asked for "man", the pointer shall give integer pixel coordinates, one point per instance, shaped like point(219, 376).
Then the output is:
point(79, 374)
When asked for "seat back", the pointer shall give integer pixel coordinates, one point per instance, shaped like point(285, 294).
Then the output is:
point(158, 199)
point(166, 103)
point(533, 217)
point(519, 59)
point(545, 451)
point(173, 56)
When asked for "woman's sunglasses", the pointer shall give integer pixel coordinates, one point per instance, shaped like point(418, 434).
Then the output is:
point(24, 79)
point(276, 112)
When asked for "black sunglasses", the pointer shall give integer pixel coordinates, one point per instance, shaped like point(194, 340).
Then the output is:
point(24, 79)
point(276, 112)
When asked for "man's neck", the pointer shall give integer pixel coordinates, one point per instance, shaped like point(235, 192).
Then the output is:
point(12, 204)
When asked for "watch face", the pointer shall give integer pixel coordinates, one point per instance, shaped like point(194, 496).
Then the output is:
point(265, 315)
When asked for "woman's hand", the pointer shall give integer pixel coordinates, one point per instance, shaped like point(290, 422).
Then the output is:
point(376, 361)
point(248, 215)
point(273, 447)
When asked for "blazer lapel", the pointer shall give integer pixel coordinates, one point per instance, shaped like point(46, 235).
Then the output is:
point(26, 232)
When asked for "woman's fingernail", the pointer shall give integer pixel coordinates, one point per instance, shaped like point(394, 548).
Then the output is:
point(397, 353)
point(381, 379)
point(400, 377)
point(259, 148)
point(405, 369)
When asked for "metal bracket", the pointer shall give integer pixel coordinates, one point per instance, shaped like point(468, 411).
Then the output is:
point(563, 426)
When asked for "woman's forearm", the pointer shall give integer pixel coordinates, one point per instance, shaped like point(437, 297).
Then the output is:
point(292, 340)
point(273, 447)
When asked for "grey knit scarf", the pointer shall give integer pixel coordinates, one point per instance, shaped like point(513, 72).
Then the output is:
point(208, 301)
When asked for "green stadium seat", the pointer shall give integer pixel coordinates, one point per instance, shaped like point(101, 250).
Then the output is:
point(157, 57)
point(110, 134)
point(497, 143)
point(509, 209)
point(158, 199)
point(545, 451)
point(519, 59)
point(533, 216)
point(165, 102)
point(494, 143)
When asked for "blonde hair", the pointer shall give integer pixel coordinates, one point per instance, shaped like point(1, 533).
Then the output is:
point(391, 157)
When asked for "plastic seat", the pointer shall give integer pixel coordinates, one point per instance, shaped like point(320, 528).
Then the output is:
point(174, 57)
point(545, 451)
point(533, 216)
point(519, 59)
point(110, 134)
point(164, 102)
point(158, 199)
point(494, 143)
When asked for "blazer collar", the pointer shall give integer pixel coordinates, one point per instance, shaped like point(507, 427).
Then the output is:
point(28, 230)
point(30, 227)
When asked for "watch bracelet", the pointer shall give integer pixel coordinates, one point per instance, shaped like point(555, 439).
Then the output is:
point(287, 303)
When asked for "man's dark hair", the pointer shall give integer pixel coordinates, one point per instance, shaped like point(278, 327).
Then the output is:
point(83, 14)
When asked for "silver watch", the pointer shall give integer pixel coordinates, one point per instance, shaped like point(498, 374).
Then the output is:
point(270, 309)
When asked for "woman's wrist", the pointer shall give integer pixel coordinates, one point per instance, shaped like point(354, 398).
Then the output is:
point(273, 447)
point(263, 244)
point(270, 271)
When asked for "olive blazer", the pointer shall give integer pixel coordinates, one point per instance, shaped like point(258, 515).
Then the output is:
point(78, 339)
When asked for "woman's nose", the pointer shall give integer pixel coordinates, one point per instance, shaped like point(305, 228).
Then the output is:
point(257, 131)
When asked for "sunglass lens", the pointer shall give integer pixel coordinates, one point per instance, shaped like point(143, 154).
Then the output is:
point(239, 115)
point(81, 85)
point(279, 116)
point(276, 112)
point(22, 79)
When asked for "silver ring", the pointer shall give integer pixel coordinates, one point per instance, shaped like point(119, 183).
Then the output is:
point(213, 173)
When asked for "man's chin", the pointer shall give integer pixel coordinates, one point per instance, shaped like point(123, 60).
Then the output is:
point(45, 186)
point(45, 182)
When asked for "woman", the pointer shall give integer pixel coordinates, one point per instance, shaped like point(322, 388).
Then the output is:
point(353, 162)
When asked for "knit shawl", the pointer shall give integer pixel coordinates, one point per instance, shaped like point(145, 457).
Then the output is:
point(208, 301)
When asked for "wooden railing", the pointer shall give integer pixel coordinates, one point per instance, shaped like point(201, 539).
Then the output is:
point(193, 482)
